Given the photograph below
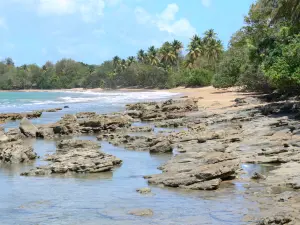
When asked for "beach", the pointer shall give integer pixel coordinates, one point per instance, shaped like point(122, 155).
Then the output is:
point(219, 156)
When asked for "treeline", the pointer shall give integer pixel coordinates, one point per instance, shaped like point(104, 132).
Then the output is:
point(163, 67)
point(263, 55)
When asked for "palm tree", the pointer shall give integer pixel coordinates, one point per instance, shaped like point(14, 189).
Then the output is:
point(214, 51)
point(195, 48)
point(167, 54)
point(141, 56)
point(188, 64)
point(130, 60)
point(123, 65)
point(153, 56)
point(209, 35)
point(116, 61)
point(177, 46)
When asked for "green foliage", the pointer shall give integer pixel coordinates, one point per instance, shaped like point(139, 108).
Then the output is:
point(198, 77)
point(265, 54)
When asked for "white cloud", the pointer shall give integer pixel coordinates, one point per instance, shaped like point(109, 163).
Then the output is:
point(142, 16)
point(3, 23)
point(206, 3)
point(166, 21)
point(89, 10)
point(58, 7)
point(169, 13)
point(92, 10)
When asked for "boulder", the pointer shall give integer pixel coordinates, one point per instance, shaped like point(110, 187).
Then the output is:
point(27, 128)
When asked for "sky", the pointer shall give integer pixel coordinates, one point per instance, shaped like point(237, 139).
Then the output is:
point(92, 31)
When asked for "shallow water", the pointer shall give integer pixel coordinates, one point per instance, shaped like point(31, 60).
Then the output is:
point(106, 198)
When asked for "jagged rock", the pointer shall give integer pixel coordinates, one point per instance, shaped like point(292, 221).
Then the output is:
point(145, 190)
point(16, 152)
point(19, 116)
point(162, 147)
point(45, 132)
point(76, 156)
point(258, 176)
point(278, 219)
point(27, 128)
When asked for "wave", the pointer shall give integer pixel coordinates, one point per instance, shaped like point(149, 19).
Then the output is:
point(115, 97)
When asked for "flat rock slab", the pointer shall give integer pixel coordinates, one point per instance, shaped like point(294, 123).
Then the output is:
point(76, 156)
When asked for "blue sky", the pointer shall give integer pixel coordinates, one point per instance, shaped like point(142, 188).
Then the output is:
point(91, 31)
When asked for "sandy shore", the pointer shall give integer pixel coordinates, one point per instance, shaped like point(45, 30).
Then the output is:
point(211, 98)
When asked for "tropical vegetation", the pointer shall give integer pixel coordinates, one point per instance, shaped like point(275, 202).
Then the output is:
point(263, 55)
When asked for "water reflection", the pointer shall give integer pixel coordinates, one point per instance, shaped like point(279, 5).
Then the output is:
point(108, 197)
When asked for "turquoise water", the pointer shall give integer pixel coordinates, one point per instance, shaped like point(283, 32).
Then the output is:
point(105, 102)
point(105, 198)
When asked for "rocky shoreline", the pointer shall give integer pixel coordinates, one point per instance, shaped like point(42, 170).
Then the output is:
point(208, 153)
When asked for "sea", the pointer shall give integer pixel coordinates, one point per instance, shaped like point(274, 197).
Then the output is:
point(104, 198)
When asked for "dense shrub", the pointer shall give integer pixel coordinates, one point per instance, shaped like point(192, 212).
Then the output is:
point(198, 77)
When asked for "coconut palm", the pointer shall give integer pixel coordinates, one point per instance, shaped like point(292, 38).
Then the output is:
point(209, 36)
point(130, 60)
point(123, 65)
point(167, 54)
point(141, 56)
point(177, 46)
point(153, 56)
point(195, 48)
point(214, 50)
point(116, 61)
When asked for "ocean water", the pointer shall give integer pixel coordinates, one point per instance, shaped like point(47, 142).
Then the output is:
point(106, 198)
point(104, 102)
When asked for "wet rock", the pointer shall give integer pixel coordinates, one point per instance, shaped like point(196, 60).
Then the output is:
point(279, 218)
point(14, 134)
point(134, 113)
point(185, 105)
point(76, 156)
point(192, 168)
point(3, 136)
point(141, 129)
point(85, 115)
point(258, 176)
point(105, 123)
point(27, 128)
point(67, 125)
point(45, 133)
point(66, 107)
point(162, 147)
point(205, 185)
point(287, 196)
point(19, 116)
point(143, 191)
point(141, 212)
point(53, 110)
point(16, 152)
